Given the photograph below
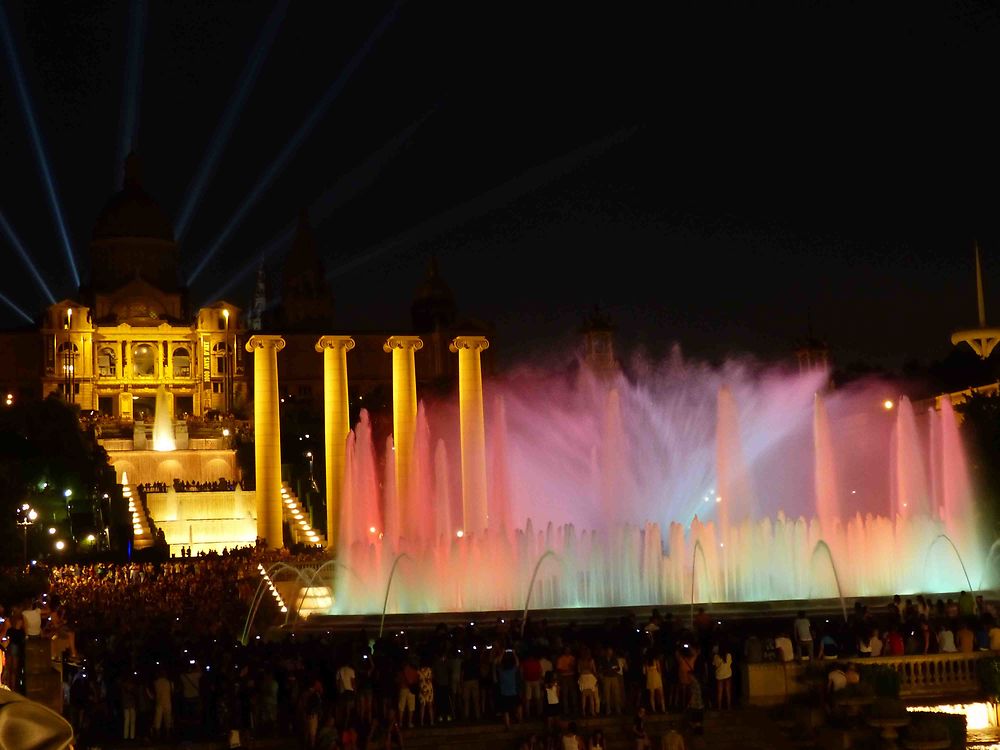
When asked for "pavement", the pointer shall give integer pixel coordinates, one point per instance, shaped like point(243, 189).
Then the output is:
point(739, 729)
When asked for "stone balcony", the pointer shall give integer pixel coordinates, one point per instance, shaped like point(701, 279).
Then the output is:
point(930, 676)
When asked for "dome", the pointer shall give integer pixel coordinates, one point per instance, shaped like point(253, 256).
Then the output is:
point(131, 212)
point(433, 305)
point(433, 289)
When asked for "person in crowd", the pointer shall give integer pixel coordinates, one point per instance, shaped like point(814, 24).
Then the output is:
point(802, 630)
point(611, 668)
point(875, 641)
point(965, 639)
point(894, 645)
point(722, 662)
point(531, 675)
point(783, 647)
point(653, 669)
point(425, 691)
point(471, 706)
point(441, 684)
point(408, 683)
point(128, 700)
point(163, 705)
point(553, 702)
point(946, 639)
point(568, 690)
point(571, 739)
point(347, 685)
point(687, 658)
point(509, 688)
point(639, 733)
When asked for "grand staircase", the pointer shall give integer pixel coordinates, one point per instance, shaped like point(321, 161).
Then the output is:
point(297, 517)
point(142, 527)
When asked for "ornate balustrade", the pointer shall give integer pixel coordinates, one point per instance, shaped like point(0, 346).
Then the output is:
point(938, 675)
point(930, 676)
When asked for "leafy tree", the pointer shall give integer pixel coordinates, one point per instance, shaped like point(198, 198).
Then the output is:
point(44, 452)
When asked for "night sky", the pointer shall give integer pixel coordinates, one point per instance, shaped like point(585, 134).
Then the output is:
point(713, 174)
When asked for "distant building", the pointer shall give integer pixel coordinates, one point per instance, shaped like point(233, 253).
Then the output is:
point(130, 330)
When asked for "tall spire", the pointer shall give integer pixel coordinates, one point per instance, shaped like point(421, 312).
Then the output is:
point(979, 288)
point(255, 318)
point(982, 339)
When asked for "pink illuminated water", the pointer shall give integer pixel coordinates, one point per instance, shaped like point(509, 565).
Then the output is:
point(622, 479)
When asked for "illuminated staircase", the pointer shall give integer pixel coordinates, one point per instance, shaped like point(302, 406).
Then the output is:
point(142, 529)
point(297, 519)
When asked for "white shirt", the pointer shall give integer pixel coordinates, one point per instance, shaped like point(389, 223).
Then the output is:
point(946, 642)
point(345, 678)
point(784, 645)
point(837, 680)
point(32, 622)
point(802, 629)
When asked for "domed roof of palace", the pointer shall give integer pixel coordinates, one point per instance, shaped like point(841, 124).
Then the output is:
point(434, 288)
point(131, 212)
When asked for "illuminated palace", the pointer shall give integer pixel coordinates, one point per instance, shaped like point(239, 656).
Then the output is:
point(131, 353)
point(131, 330)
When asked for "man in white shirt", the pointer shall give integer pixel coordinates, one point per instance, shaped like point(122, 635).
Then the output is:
point(33, 621)
point(802, 630)
point(346, 685)
point(837, 679)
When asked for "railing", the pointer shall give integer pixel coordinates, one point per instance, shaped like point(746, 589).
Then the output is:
point(922, 676)
point(936, 674)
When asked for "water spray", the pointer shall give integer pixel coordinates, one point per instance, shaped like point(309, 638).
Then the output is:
point(230, 116)
point(19, 247)
point(36, 139)
point(293, 143)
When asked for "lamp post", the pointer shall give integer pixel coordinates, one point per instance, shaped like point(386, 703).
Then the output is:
point(70, 360)
point(26, 517)
point(225, 374)
point(312, 479)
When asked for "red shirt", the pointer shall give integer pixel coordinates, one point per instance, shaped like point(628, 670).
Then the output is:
point(531, 669)
point(894, 644)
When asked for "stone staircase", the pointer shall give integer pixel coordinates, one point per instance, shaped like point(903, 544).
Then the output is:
point(142, 528)
point(297, 517)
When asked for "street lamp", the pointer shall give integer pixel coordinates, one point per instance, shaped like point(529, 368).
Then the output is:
point(26, 517)
point(312, 479)
point(225, 375)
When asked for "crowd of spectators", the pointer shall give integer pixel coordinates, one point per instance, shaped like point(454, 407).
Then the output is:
point(219, 485)
point(153, 651)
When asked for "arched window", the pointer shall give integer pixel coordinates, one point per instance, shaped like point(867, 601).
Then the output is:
point(68, 353)
point(182, 363)
point(144, 361)
point(220, 353)
point(106, 364)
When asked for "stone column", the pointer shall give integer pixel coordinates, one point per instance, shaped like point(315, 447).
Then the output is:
point(475, 516)
point(267, 436)
point(336, 410)
point(404, 412)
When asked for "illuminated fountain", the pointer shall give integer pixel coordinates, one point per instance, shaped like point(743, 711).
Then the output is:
point(163, 425)
point(623, 480)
